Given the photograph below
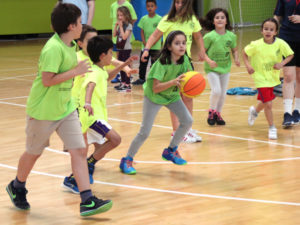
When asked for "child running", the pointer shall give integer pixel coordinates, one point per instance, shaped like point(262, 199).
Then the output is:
point(218, 43)
point(50, 108)
point(180, 17)
point(266, 56)
point(122, 31)
point(102, 144)
point(162, 89)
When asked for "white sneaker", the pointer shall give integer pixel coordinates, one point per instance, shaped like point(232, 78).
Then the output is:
point(252, 115)
point(189, 138)
point(196, 136)
point(272, 133)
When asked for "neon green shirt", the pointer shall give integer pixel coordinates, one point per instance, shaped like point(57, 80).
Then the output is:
point(78, 80)
point(148, 25)
point(218, 48)
point(165, 73)
point(188, 27)
point(99, 77)
point(263, 57)
point(54, 102)
point(113, 15)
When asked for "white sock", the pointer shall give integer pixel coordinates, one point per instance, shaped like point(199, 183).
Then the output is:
point(297, 104)
point(288, 105)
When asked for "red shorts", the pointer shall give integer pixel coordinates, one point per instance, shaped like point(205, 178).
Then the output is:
point(265, 94)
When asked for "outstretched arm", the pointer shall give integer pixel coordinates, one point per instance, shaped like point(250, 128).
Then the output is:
point(120, 66)
point(50, 79)
point(91, 6)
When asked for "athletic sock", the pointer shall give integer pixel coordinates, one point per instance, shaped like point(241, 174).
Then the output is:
point(297, 104)
point(288, 105)
point(85, 195)
point(18, 184)
point(92, 160)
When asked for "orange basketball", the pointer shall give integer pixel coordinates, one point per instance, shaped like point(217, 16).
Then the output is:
point(193, 84)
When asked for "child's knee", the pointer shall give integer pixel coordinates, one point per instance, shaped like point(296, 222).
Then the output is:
point(116, 140)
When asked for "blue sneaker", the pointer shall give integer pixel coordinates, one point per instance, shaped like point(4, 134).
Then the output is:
point(91, 168)
point(296, 116)
point(288, 120)
point(70, 184)
point(116, 79)
point(126, 165)
point(173, 155)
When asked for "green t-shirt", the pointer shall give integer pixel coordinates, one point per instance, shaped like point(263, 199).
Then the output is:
point(188, 27)
point(78, 80)
point(263, 57)
point(99, 76)
point(149, 24)
point(218, 48)
point(54, 102)
point(113, 15)
point(165, 73)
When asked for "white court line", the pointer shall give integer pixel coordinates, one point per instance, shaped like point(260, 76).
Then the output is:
point(119, 104)
point(211, 134)
point(168, 191)
point(1, 99)
point(17, 69)
point(11, 78)
point(189, 163)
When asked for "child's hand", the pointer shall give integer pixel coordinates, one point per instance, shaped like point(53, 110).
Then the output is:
point(89, 108)
point(120, 23)
point(212, 64)
point(83, 67)
point(278, 66)
point(132, 71)
point(131, 59)
point(178, 80)
point(237, 63)
point(294, 18)
point(144, 55)
point(250, 69)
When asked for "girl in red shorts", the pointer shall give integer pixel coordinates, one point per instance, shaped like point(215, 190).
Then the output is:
point(266, 60)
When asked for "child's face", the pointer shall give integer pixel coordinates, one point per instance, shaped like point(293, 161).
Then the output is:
point(106, 57)
point(178, 46)
point(151, 7)
point(220, 20)
point(83, 44)
point(179, 4)
point(120, 16)
point(269, 31)
point(77, 28)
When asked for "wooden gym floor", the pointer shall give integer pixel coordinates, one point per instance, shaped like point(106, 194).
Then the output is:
point(235, 176)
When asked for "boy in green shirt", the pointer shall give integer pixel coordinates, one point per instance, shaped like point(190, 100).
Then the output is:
point(50, 108)
point(148, 24)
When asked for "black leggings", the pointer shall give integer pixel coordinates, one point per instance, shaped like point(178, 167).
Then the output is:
point(123, 56)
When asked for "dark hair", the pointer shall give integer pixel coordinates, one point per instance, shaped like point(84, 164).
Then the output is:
point(126, 13)
point(184, 14)
point(63, 15)
point(208, 21)
point(165, 53)
point(86, 29)
point(154, 1)
point(98, 45)
point(270, 20)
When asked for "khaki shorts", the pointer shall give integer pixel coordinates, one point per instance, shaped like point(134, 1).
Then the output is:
point(39, 131)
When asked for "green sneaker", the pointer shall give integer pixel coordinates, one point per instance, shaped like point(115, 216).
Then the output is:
point(18, 196)
point(94, 206)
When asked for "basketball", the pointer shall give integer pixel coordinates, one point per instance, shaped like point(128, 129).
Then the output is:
point(193, 84)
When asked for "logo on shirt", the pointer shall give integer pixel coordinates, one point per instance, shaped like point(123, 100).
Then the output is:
point(155, 25)
point(192, 25)
point(228, 43)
